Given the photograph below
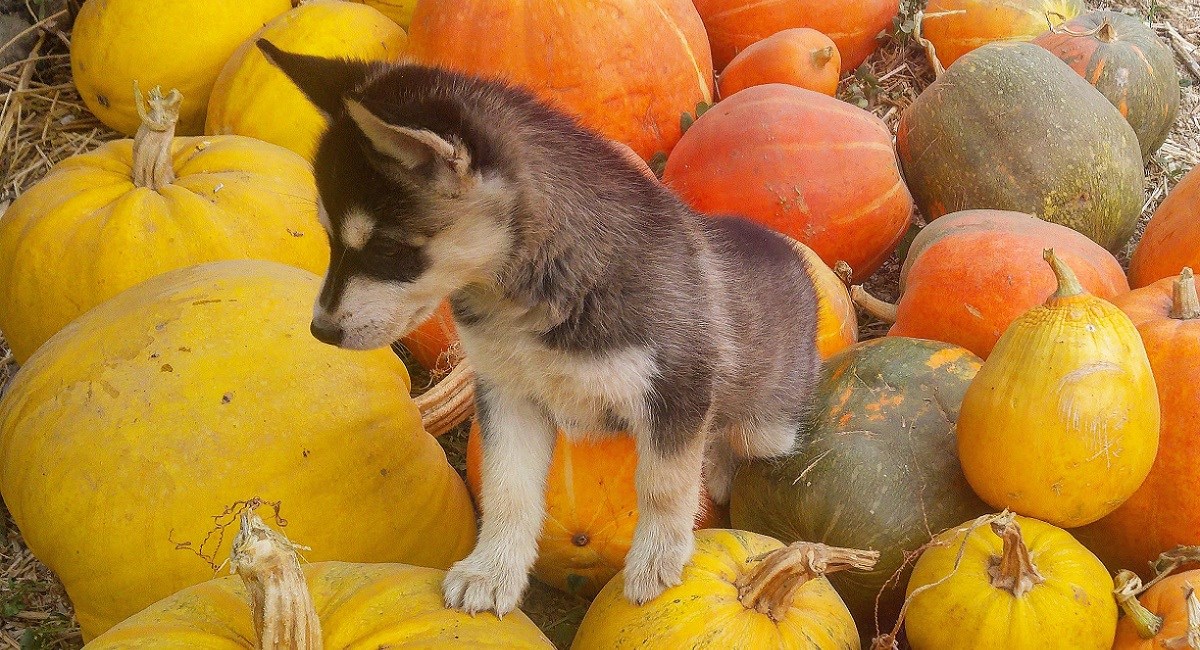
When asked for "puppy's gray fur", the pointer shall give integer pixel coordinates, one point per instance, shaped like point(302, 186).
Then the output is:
point(587, 296)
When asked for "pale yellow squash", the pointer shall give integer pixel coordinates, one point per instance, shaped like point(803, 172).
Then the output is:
point(1062, 421)
point(740, 590)
point(103, 221)
point(154, 412)
point(174, 44)
point(400, 11)
point(253, 97)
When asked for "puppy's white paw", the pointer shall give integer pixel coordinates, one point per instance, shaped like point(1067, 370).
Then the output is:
point(652, 568)
point(479, 584)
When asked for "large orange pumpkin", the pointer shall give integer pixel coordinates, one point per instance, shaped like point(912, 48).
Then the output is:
point(956, 27)
point(814, 168)
point(970, 274)
point(1172, 237)
point(734, 25)
point(591, 510)
point(628, 68)
point(1163, 512)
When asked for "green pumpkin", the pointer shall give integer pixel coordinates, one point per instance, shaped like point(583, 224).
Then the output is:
point(1011, 127)
point(878, 468)
point(1125, 60)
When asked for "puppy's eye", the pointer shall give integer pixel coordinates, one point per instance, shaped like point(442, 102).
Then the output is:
point(383, 247)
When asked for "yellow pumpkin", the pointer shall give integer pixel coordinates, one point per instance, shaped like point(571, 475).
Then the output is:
point(180, 44)
point(400, 11)
point(253, 97)
point(196, 389)
point(1018, 584)
point(1061, 423)
point(741, 590)
point(103, 221)
point(837, 321)
point(278, 604)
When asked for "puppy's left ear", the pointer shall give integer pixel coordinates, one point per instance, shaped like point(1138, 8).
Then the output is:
point(412, 149)
point(324, 81)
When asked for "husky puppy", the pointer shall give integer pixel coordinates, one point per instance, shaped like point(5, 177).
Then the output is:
point(587, 296)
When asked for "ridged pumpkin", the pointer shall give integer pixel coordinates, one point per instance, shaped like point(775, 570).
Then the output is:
point(734, 25)
point(1125, 60)
point(400, 11)
point(630, 69)
point(1164, 617)
point(970, 274)
point(194, 390)
point(837, 321)
point(276, 603)
point(956, 27)
point(1171, 240)
point(1163, 512)
point(805, 164)
point(741, 590)
point(103, 221)
point(799, 56)
point(591, 510)
point(877, 468)
point(253, 97)
point(182, 45)
point(1062, 421)
point(1011, 127)
point(1021, 584)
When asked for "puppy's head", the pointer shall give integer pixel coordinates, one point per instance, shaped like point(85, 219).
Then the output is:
point(415, 204)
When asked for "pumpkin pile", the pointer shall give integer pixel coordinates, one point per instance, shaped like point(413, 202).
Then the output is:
point(1014, 465)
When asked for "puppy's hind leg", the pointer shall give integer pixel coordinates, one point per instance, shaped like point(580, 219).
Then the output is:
point(518, 443)
point(720, 464)
point(764, 438)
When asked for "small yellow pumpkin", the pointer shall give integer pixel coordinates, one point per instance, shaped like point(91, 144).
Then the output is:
point(1018, 584)
point(1062, 421)
point(195, 389)
point(741, 590)
point(279, 605)
point(180, 44)
point(103, 221)
point(253, 97)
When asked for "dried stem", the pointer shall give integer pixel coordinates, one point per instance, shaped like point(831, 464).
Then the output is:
point(283, 610)
point(450, 402)
point(1128, 586)
point(152, 143)
point(1186, 305)
point(1014, 569)
point(770, 587)
point(1068, 284)
point(884, 311)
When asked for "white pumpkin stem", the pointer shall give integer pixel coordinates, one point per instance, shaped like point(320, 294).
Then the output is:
point(1190, 640)
point(1186, 305)
point(770, 587)
point(450, 402)
point(884, 311)
point(1128, 586)
point(283, 609)
point(152, 143)
point(1014, 569)
point(1068, 283)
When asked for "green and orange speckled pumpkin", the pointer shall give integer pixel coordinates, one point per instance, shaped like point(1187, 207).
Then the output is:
point(878, 469)
point(1125, 60)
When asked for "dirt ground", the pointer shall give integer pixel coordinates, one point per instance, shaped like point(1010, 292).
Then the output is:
point(42, 121)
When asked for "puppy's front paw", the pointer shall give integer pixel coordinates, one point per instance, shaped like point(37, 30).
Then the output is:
point(651, 569)
point(478, 584)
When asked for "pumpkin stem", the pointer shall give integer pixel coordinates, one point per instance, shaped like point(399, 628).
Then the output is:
point(152, 143)
point(1014, 569)
point(283, 609)
point(1061, 28)
point(1186, 305)
point(770, 587)
point(1128, 586)
point(1068, 284)
point(884, 311)
point(822, 56)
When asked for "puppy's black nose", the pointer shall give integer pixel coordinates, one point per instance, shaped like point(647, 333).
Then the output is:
point(327, 332)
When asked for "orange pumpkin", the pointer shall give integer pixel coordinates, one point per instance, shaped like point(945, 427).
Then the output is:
point(837, 322)
point(805, 164)
point(591, 510)
point(1172, 237)
point(1163, 618)
point(970, 274)
point(800, 56)
point(956, 27)
point(1162, 513)
point(628, 69)
point(430, 344)
point(734, 25)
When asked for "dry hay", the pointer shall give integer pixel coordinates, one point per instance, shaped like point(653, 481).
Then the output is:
point(43, 120)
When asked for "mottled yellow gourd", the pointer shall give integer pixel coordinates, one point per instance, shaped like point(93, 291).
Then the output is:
point(1062, 421)
point(741, 590)
point(1016, 584)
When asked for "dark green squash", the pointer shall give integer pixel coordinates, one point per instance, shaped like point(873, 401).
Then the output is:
point(1011, 127)
point(878, 469)
point(1125, 60)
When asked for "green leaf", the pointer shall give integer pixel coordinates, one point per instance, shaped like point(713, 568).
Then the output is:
point(658, 163)
point(685, 122)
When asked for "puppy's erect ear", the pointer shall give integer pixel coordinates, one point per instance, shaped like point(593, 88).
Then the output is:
point(324, 81)
point(408, 147)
